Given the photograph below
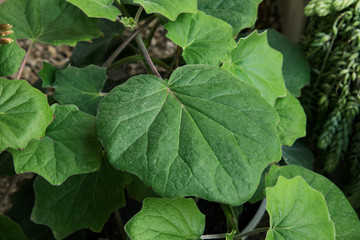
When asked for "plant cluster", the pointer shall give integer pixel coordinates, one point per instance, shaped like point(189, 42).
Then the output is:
point(222, 114)
point(333, 49)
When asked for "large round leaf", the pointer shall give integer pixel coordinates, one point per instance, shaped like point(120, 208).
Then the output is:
point(347, 224)
point(24, 113)
point(69, 147)
point(48, 21)
point(255, 62)
point(203, 133)
point(164, 219)
point(297, 211)
point(205, 39)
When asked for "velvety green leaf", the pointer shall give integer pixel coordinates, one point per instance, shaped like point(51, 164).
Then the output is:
point(97, 8)
point(239, 14)
point(296, 67)
point(6, 164)
point(298, 154)
point(80, 86)
point(22, 204)
point(199, 134)
point(138, 190)
point(255, 62)
point(204, 39)
point(169, 9)
point(292, 123)
point(10, 230)
point(260, 191)
point(24, 113)
point(297, 211)
point(82, 201)
point(48, 21)
point(94, 52)
point(47, 74)
point(164, 219)
point(11, 56)
point(69, 147)
point(347, 224)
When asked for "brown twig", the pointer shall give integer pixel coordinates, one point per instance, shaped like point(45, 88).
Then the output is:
point(23, 62)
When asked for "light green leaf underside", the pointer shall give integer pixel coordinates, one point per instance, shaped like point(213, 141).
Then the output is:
point(292, 123)
point(69, 147)
point(255, 62)
point(48, 21)
point(297, 211)
point(205, 134)
point(24, 113)
point(347, 224)
point(204, 39)
point(298, 154)
point(82, 201)
point(9, 230)
point(11, 56)
point(296, 67)
point(80, 86)
point(97, 8)
point(170, 9)
point(164, 219)
point(239, 14)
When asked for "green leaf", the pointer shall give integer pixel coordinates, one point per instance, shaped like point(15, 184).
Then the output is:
point(164, 219)
point(80, 86)
point(297, 211)
point(169, 9)
point(69, 147)
point(47, 74)
point(11, 56)
point(10, 230)
point(199, 134)
point(255, 62)
point(296, 67)
point(94, 52)
point(298, 154)
point(82, 201)
point(48, 21)
point(97, 8)
point(292, 123)
point(138, 190)
point(24, 113)
point(239, 14)
point(347, 224)
point(204, 39)
point(6, 164)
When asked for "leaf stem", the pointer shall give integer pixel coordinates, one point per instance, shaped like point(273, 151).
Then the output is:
point(122, 8)
point(120, 224)
point(144, 51)
point(152, 33)
point(138, 13)
point(173, 63)
point(236, 237)
point(231, 220)
point(135, 58)
point(123, 45)
point(23, 62)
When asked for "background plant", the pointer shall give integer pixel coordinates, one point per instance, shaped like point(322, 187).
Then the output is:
point(208, 127)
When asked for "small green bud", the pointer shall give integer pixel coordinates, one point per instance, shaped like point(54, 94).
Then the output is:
point(128, 22)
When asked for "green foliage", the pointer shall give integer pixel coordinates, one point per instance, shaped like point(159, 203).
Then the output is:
point(169, 9)
point(69, 147)
point(204, 39)
point(207, 131)
point(167, 133)
point(163, 219)
point(292, 218)
point(10, 230)
point(255, 62)
point(97, 8)
point(239, 14)
point(24, 113)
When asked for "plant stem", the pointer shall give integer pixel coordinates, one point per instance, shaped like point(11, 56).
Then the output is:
point(172, 65)
point(138, 13)
point(135, 58)
point(151, 33)
point(9, 189)
point(144, 51)
point(120, 224)
point(231, 220)
point(122, 8)
point(127, 41)
point(236, 237)
point(257, 217)
point(23, 63)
